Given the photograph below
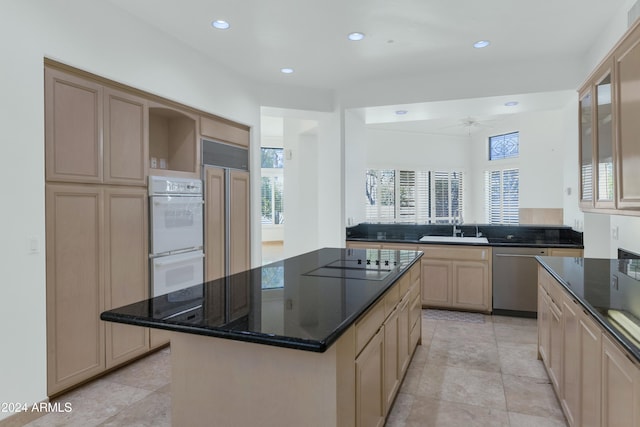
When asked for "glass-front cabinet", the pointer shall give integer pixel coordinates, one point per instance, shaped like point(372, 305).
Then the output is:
point(604, 147)
point(597, 141)
point(586, 148)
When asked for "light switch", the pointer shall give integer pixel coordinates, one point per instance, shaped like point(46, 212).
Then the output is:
point(34, 245)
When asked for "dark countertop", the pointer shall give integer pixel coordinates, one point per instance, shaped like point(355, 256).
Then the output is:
point(543, 236)
point(590, 282)
point(300, 302)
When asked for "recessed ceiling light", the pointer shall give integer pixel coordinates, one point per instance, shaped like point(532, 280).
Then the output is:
point(220, 24)
point(481, 43)
point(401, 112)
point(286, 70)
point(511, 104)
point(355, 36)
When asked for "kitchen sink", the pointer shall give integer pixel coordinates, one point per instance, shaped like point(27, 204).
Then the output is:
point(454, 239)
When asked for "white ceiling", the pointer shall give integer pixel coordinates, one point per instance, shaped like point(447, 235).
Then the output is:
point(403, 37)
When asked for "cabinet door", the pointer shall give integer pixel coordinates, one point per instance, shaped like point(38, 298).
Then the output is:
point(224, 130)
point(126, 268)
point(73, 128)
point(392, 332)
point(126, 119)
point(239, 237)
point(471, 285)
point(554, 368)
point(620, 398)
point(628, 150)
point(570, 398)
point(605, 134)
point(214, 226)
point(436, 283)
point(369, 383)
point(587, 137)
point(404, 328)
point(544, 325)
point(590, 368)
point(75, 287)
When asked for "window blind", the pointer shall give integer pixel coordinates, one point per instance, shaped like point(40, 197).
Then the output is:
point(413, 196)
point(502, 196)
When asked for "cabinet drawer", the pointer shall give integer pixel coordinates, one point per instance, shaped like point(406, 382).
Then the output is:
point(462, 253)
point(368, 325)
point(543, 278)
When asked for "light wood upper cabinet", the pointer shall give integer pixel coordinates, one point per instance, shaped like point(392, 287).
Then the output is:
point(75, 285)
point(126, 266)
point(73, 128)
point(224, 130)
point(627, 57)
point(93, 133)
point(610, 130)
point(126, 138)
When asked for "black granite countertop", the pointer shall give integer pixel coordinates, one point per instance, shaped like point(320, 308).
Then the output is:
point(304, 302)
point(544, 236)
point(603, 287)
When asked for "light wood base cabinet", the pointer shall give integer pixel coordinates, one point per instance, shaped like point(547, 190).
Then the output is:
point(596, 381)
point(96, 247)
point(456, 277)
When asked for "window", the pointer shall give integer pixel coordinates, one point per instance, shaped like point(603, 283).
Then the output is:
point(272, 186)
point(413, 196)
point(504, 146)
point(502, 196)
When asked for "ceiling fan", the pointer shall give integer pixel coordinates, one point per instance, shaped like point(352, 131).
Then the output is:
point(468, 124)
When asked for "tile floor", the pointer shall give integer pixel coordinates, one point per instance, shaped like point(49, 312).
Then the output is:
point(480, 371)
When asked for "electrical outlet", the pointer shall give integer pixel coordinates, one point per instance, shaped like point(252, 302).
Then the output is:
point(614, 282)
point(614, 233)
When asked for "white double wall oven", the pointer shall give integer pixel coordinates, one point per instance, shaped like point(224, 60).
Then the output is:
point(176, 236)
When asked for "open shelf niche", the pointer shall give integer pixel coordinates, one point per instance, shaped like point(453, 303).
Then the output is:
point(172, 140)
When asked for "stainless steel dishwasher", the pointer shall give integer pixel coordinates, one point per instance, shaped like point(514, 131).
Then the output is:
point(515, 280)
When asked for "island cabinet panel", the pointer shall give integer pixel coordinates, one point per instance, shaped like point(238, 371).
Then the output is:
point(75, 285)
point(570, 398)
point(392, 332)
point(544, 324)
point(620, 387)
point(370, 390)
point(554, 367)
point(126, 278)
point(126, 138)
point(224, 382)
point(73, 128)
point(590, 368)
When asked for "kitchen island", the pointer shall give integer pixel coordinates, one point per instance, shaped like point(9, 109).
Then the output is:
point(323, 338)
